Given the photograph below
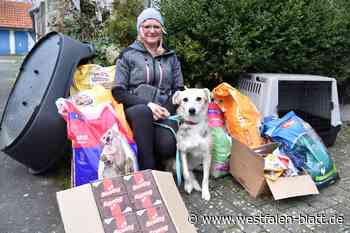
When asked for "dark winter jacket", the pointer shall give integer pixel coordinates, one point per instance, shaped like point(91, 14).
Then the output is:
point(137, 66)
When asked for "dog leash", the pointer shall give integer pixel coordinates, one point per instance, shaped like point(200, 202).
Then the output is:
point(176, 118)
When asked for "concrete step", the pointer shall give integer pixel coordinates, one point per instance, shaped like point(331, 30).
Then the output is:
point(345, 112)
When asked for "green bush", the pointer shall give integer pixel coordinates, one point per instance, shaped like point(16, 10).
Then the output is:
point(218, 39)
point(84, 26)
point(121, 27)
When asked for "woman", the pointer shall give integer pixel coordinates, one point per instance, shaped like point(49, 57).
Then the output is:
point(147, 75)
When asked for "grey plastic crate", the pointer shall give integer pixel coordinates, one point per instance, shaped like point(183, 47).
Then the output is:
point(313, 98)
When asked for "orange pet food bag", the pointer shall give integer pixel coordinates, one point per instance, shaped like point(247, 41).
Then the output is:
point(242, 117)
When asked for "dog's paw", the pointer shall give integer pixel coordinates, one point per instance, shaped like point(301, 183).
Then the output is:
point(188, 187)
point(206, 195)
point(196, 185)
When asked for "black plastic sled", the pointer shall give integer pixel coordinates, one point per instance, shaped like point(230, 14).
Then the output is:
point(31, 130)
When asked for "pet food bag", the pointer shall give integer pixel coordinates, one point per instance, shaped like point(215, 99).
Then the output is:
point(86, 127)
point(221, 142)
point(89, 75)
point(303, 146)
point(99, 81)
point(242, 117)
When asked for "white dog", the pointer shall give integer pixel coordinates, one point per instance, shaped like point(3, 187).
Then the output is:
point(193, 137)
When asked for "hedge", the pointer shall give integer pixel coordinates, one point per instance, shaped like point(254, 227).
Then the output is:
point(216, 40)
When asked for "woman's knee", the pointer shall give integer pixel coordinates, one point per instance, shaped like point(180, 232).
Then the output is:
point(140, 111)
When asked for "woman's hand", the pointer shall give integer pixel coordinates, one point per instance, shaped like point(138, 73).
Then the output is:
point(158, 111)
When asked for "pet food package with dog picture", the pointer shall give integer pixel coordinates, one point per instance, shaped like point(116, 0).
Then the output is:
point(95, 132)
point(144, 201)
point(221, 142)
point(242, 117)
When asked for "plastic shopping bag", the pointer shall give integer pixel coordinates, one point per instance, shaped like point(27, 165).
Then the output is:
point(221, 142)
point(242, 117)
point(86, 128)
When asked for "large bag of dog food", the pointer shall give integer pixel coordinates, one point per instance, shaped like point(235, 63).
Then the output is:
point(90, 76)
point(90, 127)
point(242, 117)
point(303, 146)
point(221, 142)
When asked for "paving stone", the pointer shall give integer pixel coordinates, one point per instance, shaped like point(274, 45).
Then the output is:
point(327, 228)
point(332, 189)
point(206, 228)
point(270, 208)
point(233, 230)
point(274, 228)
point(284, 204)
point(321, 202)
point(240, 203)
point(340, 195)
point(343, 210)
point(302, 207)
point(261, 200)
point(296, 226)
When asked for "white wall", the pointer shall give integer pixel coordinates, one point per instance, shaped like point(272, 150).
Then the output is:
point(31, 42)
point(12, 42)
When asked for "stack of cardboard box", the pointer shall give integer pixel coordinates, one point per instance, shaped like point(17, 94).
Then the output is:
point(146, 201)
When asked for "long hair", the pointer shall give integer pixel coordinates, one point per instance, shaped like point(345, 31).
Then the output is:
point(160, 50)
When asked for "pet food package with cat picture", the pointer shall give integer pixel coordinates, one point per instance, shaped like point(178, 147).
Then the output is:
point(94, 131)
point(144, 201)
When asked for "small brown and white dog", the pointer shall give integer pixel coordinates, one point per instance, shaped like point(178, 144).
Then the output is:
point(193, 137)
point(115, 157)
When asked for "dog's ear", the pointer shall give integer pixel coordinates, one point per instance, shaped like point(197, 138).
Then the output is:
point(207, 94)
point(176, 97)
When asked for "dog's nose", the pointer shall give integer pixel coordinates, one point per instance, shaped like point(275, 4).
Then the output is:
point(192, 111)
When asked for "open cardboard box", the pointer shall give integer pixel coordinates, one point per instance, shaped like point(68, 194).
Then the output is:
point(80, 207)
point(247, 167)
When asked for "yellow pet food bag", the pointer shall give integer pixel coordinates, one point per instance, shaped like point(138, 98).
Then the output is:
point(97, 81)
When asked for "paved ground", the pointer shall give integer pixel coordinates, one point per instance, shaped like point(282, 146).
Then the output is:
point(345, 112)
point(28, 204)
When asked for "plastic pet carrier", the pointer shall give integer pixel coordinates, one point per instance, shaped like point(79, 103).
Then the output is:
point(313, 98)
point(31, 130)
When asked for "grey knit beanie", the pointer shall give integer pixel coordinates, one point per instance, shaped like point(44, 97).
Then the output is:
point(149, 13)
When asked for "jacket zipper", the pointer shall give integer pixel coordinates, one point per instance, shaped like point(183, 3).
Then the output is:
point(147, 71)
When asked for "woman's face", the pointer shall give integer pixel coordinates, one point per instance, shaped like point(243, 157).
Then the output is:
point(151, 32)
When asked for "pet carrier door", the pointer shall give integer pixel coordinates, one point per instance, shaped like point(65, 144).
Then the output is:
point(310, 100)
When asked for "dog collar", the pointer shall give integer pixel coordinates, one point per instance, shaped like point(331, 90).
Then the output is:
point(190, 122)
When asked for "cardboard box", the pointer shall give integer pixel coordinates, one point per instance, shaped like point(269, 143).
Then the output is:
point(108, 187)
point(155, 219)
point(122, 223)
point(80, 213)
point(146, 199)
point(247, 167)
